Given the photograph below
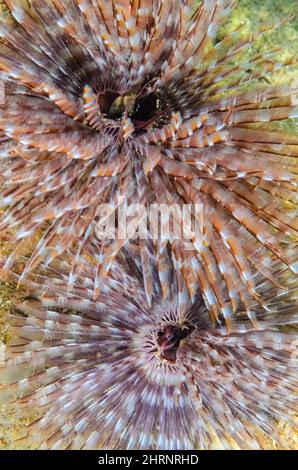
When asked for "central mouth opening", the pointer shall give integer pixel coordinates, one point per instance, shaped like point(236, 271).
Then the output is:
point(169, 337)
point(145, 109)
point(142, 111)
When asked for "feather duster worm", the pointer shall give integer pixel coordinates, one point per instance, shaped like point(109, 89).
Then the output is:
point(133, 102)
point(117, 374)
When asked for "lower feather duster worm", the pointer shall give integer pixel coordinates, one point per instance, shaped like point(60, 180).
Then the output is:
point(117, 374)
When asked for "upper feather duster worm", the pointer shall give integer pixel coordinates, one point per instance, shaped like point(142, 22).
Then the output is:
point(133, 101)
point(116, 374)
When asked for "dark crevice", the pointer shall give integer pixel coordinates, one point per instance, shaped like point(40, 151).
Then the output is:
point(168, 340)
point(142, 111)
point(105, 101)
